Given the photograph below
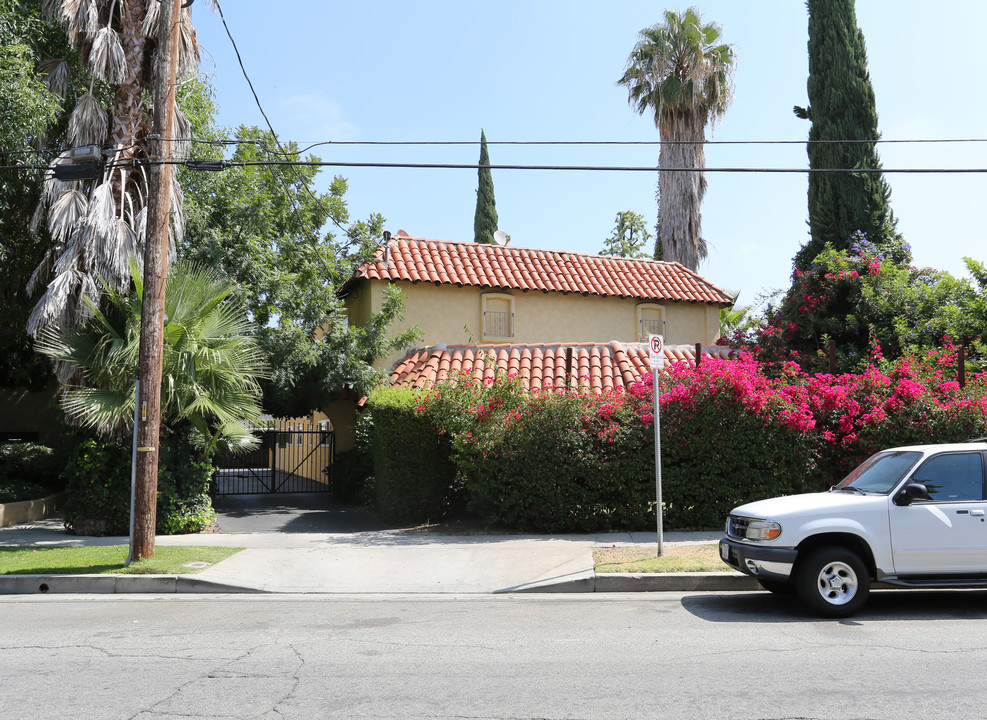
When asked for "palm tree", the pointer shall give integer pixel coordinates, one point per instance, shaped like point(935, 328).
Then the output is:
point(682, 73)
point(211, 361)
point(98, 224)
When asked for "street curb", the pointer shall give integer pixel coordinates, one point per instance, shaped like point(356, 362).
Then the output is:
point(675, 582)
point(643, 582)
point(114, 584)
point(585, 582)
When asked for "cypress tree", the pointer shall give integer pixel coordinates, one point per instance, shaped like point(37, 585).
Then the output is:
point(485, 219)
point(842, 107)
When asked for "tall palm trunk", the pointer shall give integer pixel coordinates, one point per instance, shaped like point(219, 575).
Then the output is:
point(680, 221)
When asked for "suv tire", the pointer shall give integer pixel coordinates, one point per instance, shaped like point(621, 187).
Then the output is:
point(832, 581)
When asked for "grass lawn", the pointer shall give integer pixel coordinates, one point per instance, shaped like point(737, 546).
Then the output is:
point(167, 560)
point(704, 557)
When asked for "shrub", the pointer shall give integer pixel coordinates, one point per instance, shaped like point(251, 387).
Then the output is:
point(414, 480)
point(730, 435)
point(30, 463)
point(352, 475)
point(99, 481)
point(861, 295)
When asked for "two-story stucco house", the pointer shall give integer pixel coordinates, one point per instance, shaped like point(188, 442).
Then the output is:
point(559, 319)
point(468, 293)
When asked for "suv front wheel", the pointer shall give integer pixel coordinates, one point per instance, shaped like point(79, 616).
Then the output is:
point(832, 581)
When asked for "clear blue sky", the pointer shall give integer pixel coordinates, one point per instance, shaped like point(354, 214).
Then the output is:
point(546, 70)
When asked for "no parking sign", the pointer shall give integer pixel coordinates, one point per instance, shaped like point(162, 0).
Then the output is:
point(656, 351)
point(656, 358)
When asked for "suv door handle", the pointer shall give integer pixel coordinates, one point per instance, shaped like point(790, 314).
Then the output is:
point(977, 513)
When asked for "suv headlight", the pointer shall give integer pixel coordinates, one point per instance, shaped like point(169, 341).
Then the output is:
point(761, 530)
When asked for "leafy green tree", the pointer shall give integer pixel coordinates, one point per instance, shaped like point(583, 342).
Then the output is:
point(680, 72)
point(29, 113)
point(629, 236)
point(485, 218)
point(211, 361)
point(842, 108)
point(264, 227)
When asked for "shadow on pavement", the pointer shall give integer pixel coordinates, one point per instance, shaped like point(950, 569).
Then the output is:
point(882, 606)
point(290, 513)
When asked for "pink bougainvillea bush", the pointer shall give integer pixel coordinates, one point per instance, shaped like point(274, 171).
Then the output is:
point(573, 461)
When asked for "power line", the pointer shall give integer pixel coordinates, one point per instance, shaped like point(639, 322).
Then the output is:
point(574, 143)
point(604, 168)
point(270, 127)
point(203, 165)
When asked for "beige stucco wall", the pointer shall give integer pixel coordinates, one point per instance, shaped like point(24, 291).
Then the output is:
point(442, 312)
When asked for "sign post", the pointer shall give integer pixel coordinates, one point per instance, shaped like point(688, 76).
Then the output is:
point(656, 358)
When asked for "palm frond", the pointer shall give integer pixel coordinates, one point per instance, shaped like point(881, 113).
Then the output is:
point(152, 16)
point(188, 47)
point(66, 213)
point(183, 134)
point(56, 74)
point(41, 273)
point(81, 18)
point(177, 226)
point(88, 123)
point(51, 307)
point(106, 57)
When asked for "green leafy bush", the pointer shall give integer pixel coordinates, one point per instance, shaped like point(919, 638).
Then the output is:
point(99, 483)
point(414, 479)
point(28, 471)
point(566, 462)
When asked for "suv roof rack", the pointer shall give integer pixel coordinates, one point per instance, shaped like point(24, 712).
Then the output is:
point(976, 440)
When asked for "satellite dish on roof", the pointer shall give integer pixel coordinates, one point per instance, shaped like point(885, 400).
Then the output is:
point(501, 238)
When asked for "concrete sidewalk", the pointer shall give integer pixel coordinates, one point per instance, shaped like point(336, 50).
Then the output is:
point(375, 561)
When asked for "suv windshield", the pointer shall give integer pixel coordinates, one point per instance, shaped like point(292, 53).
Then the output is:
point(880, 473)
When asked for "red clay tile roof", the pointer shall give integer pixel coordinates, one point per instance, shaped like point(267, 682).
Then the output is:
point(544, 366)
point(515, 268)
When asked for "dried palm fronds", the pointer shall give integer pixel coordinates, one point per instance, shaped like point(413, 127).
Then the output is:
point(66, 212)
point(56, 75)
point(89, 123)
point(81, 18)
point(188, 47)
point(151, 18)
point(106, 57)
point(182, 144)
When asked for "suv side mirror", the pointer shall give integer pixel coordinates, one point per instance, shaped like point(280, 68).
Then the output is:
point(910, 493)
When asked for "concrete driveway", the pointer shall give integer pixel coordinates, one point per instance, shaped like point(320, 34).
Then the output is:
point(290, 513)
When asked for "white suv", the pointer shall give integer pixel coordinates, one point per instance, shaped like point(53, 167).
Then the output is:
point(907, 517)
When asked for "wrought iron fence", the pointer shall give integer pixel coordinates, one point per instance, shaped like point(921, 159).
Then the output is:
point(288, 460)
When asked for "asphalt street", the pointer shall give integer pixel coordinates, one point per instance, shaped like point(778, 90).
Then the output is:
point(741, 656)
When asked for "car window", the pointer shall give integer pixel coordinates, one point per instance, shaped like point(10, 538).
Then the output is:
point(952, 477)
point(881, 472)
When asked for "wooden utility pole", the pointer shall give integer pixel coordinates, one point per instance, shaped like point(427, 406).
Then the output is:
point(148, 414)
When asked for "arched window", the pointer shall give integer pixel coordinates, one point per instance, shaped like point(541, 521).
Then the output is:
point(498, 316)
point(650, 321)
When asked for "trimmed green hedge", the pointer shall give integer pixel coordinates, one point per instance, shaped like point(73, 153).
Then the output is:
point(414, 479)
point(99, 471)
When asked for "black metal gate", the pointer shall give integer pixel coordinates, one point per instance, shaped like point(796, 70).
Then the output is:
point(288, 460)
